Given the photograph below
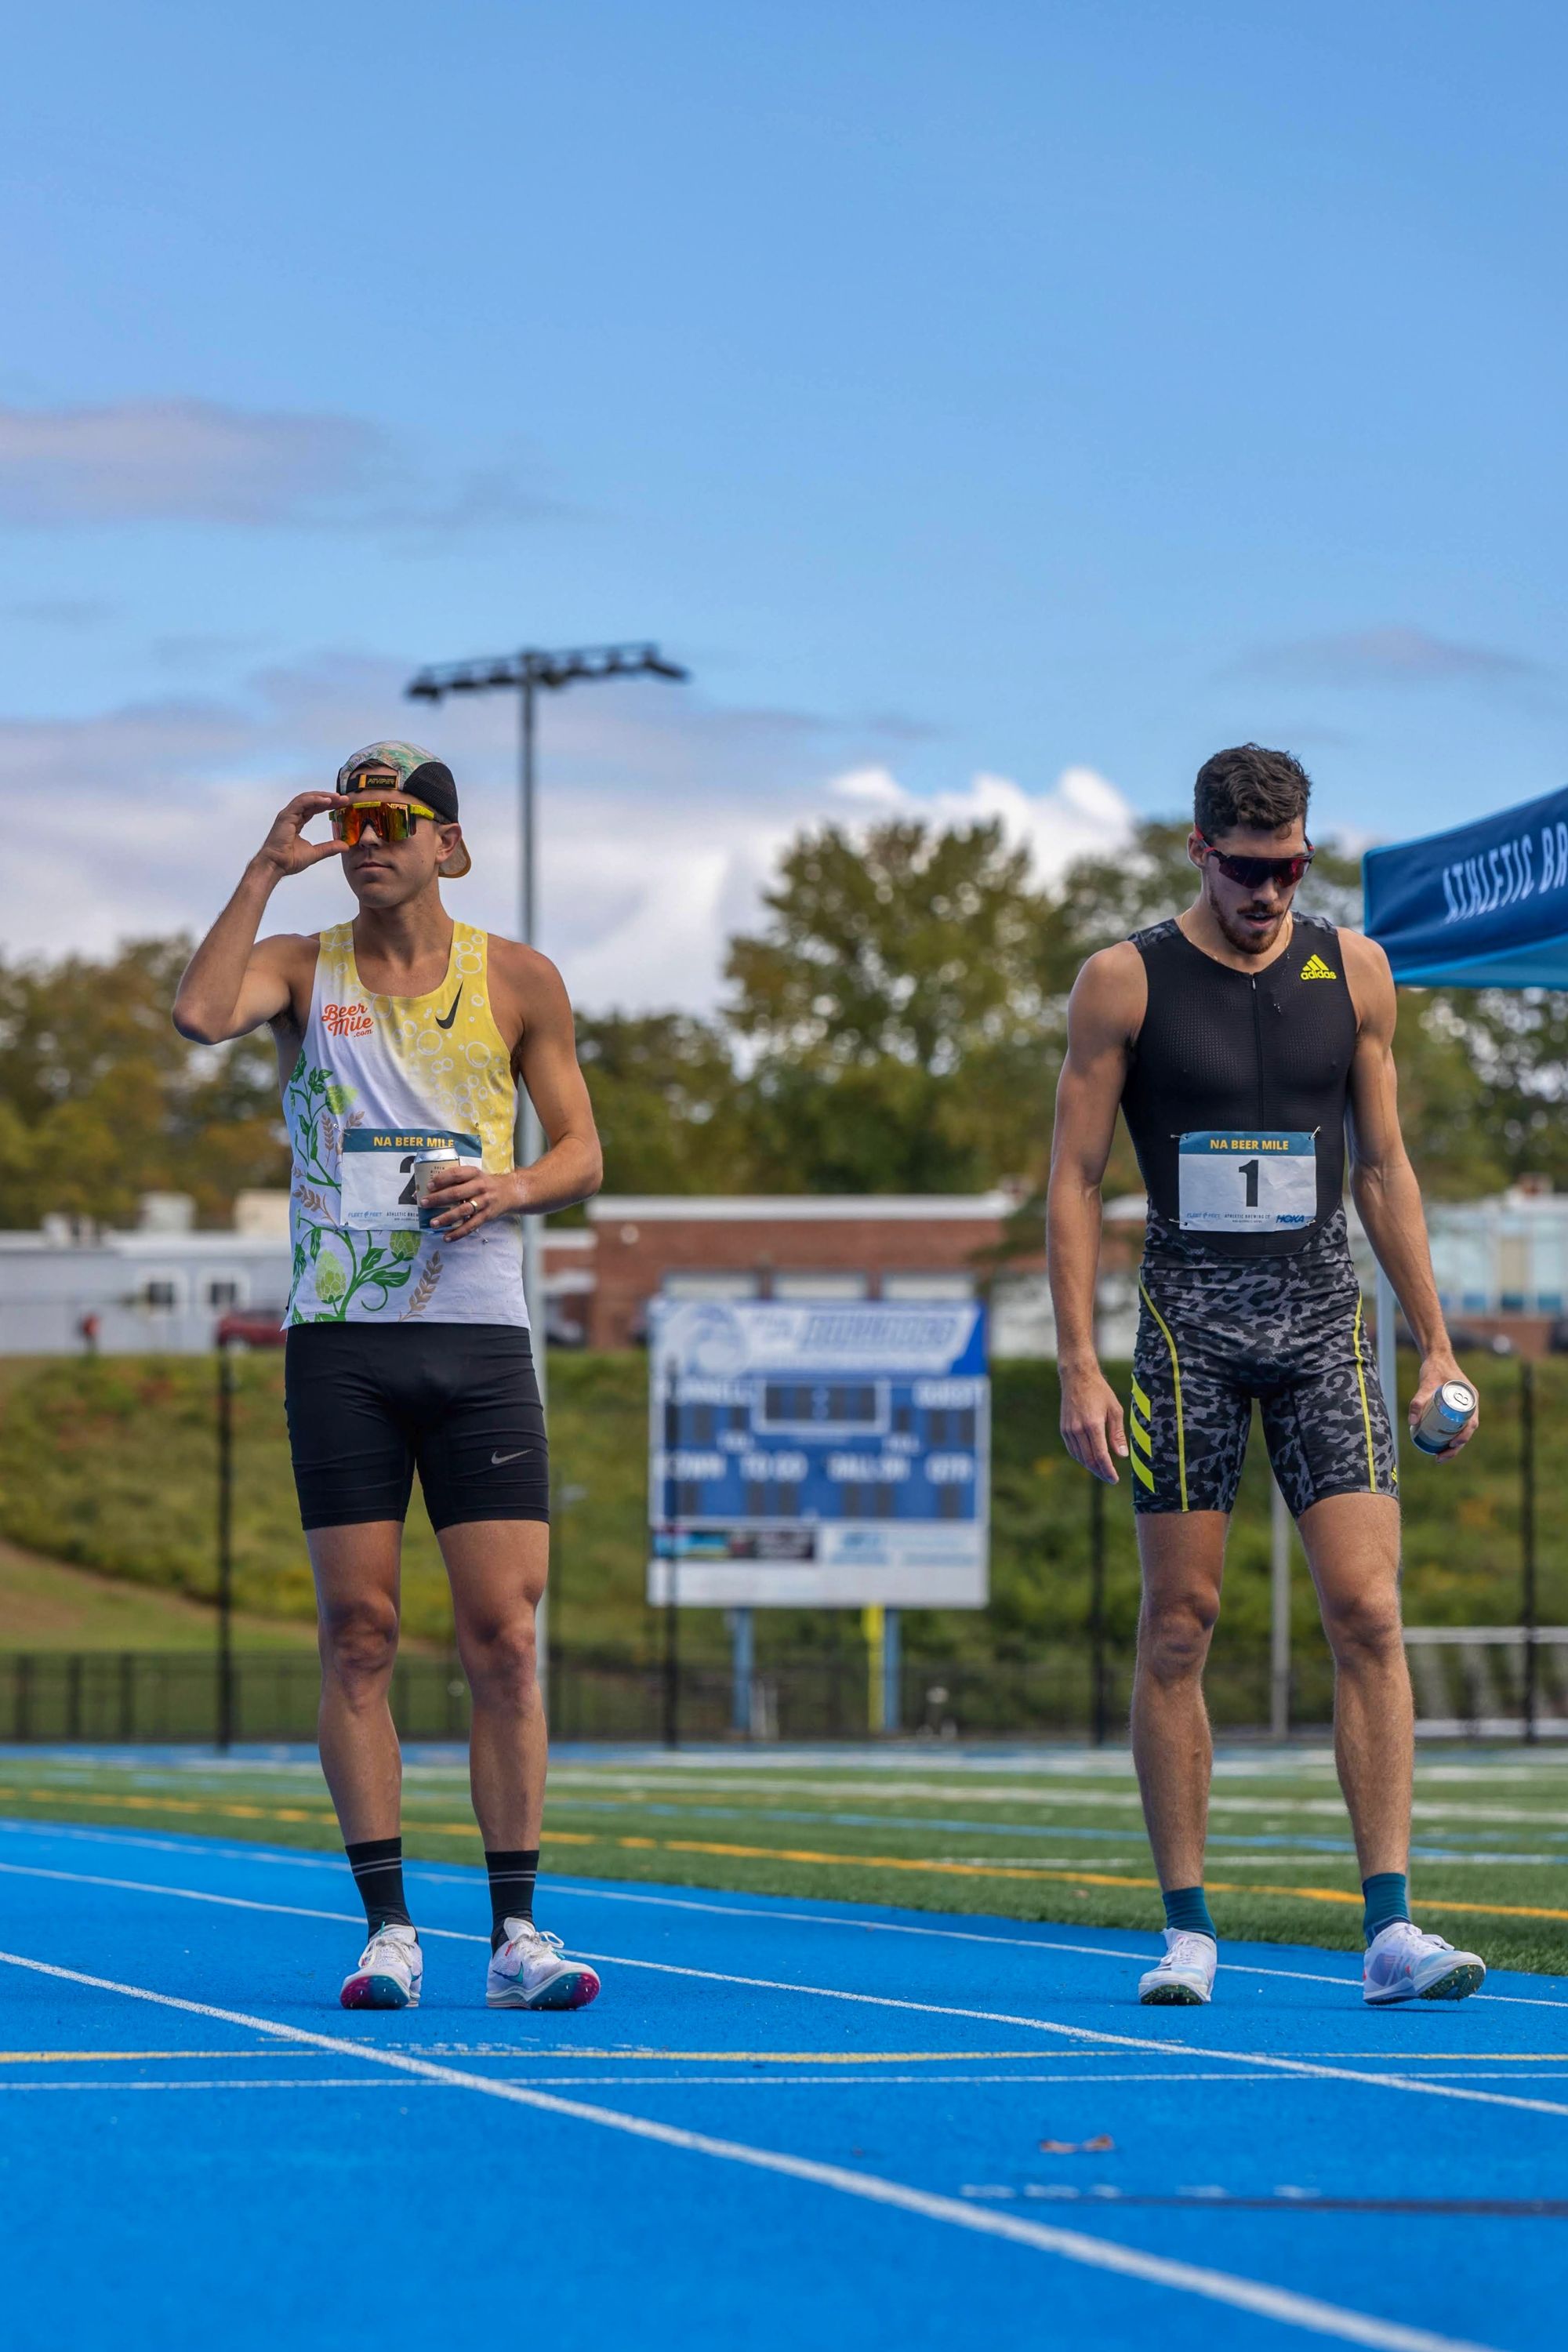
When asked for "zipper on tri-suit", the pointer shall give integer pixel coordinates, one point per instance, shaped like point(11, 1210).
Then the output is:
point(1258, 1045)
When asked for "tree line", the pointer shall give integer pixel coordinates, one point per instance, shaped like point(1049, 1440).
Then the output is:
point(894, 1024)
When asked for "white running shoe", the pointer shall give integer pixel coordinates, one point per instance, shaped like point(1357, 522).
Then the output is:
point(1402, 1964)
point(1187, 1972)
point(390, 1972)
point(530, 1971)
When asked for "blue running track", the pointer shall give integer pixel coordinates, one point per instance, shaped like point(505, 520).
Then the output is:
point(778, 2115)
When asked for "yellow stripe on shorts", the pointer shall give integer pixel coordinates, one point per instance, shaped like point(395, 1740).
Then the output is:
point(1141, 1436)
point(1142, 1403)
point(1140, 1472)
point(1176, 1384)
point(1365, 1408)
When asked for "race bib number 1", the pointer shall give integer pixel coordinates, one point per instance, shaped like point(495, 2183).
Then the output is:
point(378, 1193)
point(1236, 1183)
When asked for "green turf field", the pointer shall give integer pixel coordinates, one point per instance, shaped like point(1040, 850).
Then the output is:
point(1046, 1834)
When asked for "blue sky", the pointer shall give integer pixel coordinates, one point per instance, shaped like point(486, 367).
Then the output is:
point(990, 392)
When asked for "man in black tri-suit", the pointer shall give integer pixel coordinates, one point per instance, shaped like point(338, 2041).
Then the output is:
point(1242, 1042)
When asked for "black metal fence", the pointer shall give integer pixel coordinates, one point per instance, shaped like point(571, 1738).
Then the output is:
point(112, 1696)
point(134, 1696)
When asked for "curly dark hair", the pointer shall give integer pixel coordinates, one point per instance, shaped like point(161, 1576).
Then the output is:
point(1251, 788)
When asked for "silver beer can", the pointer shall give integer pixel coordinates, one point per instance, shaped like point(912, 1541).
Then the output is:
point(425, 1167)
point(1447, 1413)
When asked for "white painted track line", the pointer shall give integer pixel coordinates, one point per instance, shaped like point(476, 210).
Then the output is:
point(569, 1890)
point(1252, 2296)
point(1085, 2035)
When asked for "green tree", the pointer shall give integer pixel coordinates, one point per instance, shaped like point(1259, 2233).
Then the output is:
point(899, 1008)
point(101, 1101)
point(664, 1092)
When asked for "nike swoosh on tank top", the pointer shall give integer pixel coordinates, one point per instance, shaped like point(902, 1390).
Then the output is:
point(1236, 1094)
point(381, 1079)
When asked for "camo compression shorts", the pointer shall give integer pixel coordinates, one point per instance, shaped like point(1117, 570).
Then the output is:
point(1214, 1333)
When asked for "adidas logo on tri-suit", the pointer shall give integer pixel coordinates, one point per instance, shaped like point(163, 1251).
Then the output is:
point(1235, 1105)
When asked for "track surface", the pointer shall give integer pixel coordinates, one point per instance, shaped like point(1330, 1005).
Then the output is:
point(779, 2114)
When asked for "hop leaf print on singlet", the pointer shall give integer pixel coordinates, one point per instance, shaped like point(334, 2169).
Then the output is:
point(372, 1270)
point(404, 1244)
point(332, 1281)
point(306, 1097)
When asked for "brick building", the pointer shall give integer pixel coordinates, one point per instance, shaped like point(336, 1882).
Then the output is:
point(798, 1246)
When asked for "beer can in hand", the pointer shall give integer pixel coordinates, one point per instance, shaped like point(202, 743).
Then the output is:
point(1448, 1410)
point(425, 1167)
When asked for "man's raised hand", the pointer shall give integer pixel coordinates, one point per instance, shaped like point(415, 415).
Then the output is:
point(285, 849)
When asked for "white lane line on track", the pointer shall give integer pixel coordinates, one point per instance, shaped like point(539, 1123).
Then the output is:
point(1253, 2295)
point(1086, 2034)
point(574, 1890)
point(436, 1873)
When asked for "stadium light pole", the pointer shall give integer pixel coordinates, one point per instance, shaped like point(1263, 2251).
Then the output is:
point(529, 673)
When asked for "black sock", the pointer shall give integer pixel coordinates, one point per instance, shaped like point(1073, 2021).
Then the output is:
point(511, 1890)
point(377, 1867)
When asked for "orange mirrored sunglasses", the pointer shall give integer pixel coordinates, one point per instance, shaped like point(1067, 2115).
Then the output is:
point(393, 820)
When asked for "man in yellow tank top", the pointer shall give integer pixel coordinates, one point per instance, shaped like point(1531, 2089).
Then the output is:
point(401, 1035)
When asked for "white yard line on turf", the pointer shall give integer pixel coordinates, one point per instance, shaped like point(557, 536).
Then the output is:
point(441, 1875)
point(1085, 2035)
point(1253, 2295)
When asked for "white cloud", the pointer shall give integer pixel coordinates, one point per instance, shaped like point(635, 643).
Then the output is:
point(661, 819)
point(1080, 814)
point(1392, 655)
point(179, 460)
point(199, 461)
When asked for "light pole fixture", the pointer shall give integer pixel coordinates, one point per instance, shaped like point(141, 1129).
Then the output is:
point(528, 672)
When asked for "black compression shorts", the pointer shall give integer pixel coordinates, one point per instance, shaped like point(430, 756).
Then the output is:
point(1214, 1333)
point(369, 1404)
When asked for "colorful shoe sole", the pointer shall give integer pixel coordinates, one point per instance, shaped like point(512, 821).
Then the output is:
point(376, 1992)
point(1457, 1984)
point(572, 1988)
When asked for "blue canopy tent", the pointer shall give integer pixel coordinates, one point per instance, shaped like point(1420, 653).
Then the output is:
point(1484, 906)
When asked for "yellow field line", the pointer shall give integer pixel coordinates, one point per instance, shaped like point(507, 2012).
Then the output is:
point(1028, 1872)
point(72, 2057)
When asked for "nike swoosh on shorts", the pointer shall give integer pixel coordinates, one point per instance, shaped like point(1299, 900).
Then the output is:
point(512, 1458)
point(445, 1020)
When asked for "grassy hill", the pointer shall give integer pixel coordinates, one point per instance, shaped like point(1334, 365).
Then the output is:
point(45, 1605)
point(110, 1465)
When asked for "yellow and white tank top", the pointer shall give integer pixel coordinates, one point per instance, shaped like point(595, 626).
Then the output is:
point(381, 1079)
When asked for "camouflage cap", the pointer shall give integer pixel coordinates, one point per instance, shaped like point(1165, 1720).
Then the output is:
point(423, 777)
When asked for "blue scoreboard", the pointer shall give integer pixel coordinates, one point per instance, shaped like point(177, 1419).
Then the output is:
point(827, 1454)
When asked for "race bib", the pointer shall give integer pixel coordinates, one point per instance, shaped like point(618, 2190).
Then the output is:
point(378, 1193)
point(1231, 1182)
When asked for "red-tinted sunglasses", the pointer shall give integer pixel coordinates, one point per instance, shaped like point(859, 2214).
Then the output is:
point(1252, 872)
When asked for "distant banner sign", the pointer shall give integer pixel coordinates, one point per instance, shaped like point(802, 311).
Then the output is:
point(818, 1454)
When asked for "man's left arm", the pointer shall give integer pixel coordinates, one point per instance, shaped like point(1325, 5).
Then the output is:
point(1383, 1182)
point(530, 1004)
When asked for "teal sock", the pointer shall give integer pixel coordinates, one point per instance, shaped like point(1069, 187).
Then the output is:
point(1187, 1907)
point(1387, 1898)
